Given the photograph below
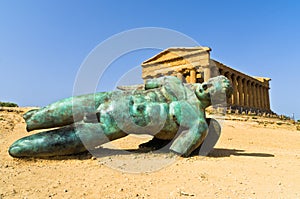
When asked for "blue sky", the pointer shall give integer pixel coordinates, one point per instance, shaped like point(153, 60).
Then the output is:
point(44, 43)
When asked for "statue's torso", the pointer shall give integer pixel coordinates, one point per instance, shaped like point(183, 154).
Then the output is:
point(141, 112)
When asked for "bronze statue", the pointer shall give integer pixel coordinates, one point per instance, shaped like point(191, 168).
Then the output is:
point(164, 107)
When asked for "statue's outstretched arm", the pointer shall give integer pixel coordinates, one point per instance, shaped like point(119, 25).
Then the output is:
point(65, 111)
point(132, 87)
point(192, 121)
point(161, 81)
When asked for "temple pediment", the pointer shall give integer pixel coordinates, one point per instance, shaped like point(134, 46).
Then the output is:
point(175, 53)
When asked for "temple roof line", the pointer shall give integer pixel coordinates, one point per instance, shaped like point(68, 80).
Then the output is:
point(178, 52)
point(260, 79)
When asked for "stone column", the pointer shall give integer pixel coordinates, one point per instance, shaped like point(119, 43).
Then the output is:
point(250, 94)
point(193, 76)
point(258, 97)
point(263, 94)
point(254, 95)
point(235, 89)
point(262, 98)
point(207, 72)
point(245, 91)
point(268, 100)
point(240, 94)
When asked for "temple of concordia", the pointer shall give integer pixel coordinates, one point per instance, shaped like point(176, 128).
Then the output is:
point(193, 65)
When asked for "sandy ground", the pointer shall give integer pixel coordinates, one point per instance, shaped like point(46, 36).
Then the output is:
point(251, 160)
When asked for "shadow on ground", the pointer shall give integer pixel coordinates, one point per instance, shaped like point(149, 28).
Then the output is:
point(219, 152)
point(106, 152)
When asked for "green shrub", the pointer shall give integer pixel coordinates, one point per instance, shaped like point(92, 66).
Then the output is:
point(8, 104)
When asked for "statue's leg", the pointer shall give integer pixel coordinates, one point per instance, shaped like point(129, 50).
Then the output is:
point(64, 112)
point(214, 132)
point(64, 141)
point(192, 121)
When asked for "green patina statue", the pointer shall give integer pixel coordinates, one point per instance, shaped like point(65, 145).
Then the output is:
point(164, 107)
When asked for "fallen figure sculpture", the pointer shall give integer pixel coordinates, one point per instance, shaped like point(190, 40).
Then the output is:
point(163, 107)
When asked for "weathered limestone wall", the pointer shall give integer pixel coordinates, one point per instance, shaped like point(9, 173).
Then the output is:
point(249, 92)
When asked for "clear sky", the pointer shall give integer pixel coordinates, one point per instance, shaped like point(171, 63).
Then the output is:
point(44, 43)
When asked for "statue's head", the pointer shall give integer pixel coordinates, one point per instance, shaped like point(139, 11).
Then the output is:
point(215, 91)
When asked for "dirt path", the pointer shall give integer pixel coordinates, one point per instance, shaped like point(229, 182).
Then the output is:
point(249, 161)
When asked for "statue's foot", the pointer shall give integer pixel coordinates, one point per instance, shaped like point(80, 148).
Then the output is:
point(154, 144)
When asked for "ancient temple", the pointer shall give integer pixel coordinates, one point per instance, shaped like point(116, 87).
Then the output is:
point(193, 65)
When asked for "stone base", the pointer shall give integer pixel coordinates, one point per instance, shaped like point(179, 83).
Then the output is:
point(249, 111)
